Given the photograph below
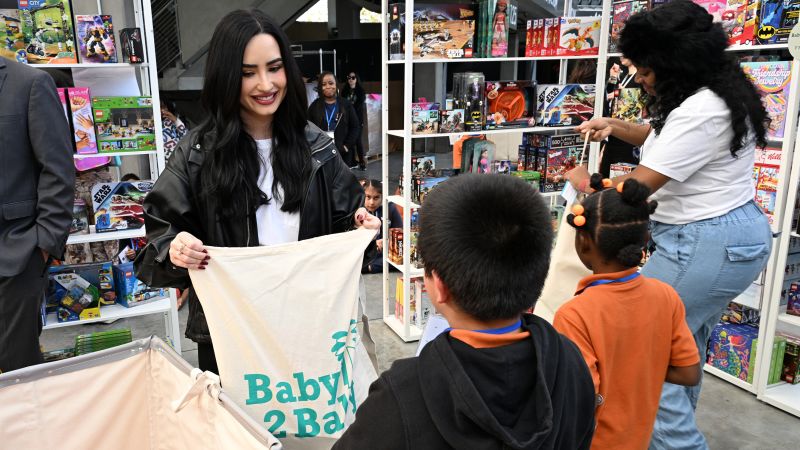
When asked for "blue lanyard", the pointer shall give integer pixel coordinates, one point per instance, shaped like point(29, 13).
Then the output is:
point(616, 280)
point(328, 117)
point(503, 330)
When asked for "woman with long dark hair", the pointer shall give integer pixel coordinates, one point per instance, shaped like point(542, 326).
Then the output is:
point(354, 93)
point(711, 239)
point(255, 172)
point(336, 116)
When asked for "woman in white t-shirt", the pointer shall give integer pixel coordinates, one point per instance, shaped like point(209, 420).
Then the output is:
point(711, 239)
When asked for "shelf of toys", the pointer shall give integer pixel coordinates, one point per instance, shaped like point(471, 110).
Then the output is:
point(481, 108)
point(107, 51)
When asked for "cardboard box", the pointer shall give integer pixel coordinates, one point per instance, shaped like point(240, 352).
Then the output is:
point(510, 104)
point(578, 36)
point(82, 120)
point(13, 45)
point(397, 16)
point(564, 104)
point(130, 42)
point(443, 31)
point(620, 169)
point(791, 362)
point(124, 123)
point(96, 39)
point(131, 291)
point(731, 348)
point(119, 206)
point(48, 32)
point(776, 20)
point(451, 121)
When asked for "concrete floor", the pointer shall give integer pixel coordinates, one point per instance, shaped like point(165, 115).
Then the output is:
point(730, 417)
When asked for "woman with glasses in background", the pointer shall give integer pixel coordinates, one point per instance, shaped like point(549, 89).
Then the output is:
point(354, 92)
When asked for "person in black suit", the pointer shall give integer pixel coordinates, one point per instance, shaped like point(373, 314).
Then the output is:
point(36, 196)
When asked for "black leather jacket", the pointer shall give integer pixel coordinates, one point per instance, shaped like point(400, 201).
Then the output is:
point(333, 195)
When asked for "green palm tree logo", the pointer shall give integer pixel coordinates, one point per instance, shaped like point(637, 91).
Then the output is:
point(344, 346)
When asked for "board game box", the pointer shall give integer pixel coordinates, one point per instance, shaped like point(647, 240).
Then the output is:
point(443, 31)
point(130, 43)
point(732, 349)
point(48, 32)
point(578, 36)
point(564, 104)
point(124, 123)
point(96, 39)
point(119, 206)
point(510, 104)
point(772, 80)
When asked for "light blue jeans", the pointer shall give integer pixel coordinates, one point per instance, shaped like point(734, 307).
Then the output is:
point(709, 263)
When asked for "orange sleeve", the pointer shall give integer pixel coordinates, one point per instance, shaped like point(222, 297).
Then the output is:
point(568, 323)
point(684, 349)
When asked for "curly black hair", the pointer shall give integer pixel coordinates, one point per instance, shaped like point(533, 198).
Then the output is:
point(617, 221)
point(685, 49)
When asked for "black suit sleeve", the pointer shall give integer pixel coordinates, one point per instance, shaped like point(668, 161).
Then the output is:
point(379, 424)
point(49, 136)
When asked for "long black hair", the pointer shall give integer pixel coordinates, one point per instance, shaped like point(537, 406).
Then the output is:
point(685, 49)
point(360, 95)
point(616, 221)
point(231, 168)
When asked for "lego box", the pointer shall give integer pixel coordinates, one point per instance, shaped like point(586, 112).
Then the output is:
point(13, 45)
point(131, 291)
point(124, 123)
point(96, 39)
point(451, 121)
point(443, 31)
point(118, 206)
point(48, 32)
point(130, 43)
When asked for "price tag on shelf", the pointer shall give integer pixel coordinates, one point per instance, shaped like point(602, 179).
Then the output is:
point(794, 42)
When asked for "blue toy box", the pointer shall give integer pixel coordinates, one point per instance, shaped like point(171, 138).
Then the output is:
point(131, 291)
point(732, 349)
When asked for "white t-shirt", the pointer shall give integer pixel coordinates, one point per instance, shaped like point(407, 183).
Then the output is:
point(693, 149)
point(274, 226)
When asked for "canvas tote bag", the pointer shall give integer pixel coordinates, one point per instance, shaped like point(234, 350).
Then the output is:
point(283, 322)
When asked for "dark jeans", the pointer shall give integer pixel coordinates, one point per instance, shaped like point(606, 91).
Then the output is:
point(20, 320)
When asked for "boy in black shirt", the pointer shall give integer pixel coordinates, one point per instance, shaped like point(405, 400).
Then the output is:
point(499, 378)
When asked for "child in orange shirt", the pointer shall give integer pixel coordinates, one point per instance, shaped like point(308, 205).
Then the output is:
point(631, 330)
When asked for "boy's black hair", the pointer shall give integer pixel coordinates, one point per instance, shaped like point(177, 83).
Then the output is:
point(617, 222)
point(488, 238)
point(129, 177)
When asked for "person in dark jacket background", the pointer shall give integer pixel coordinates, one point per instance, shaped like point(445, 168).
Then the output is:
point(499, 378)
point(354, 93)
point(336, 116)
point(254, 173)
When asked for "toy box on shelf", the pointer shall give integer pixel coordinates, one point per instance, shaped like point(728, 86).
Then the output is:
point(119, 206)
point(790, 372)
point(130, 43)
point(82, 120)
point(419, 303)
point(766, 175)
point(425, 118)
point(620, 169)
point(13, 45)
point(564, 104)
point(732, 349)
point(773, 81)
point(620, 13)
point(131, 291)
point(555, 156)
point(510, 104)
point(443, 31)
point(740, 21)
point(578, 36)
point(496, 18)
point(776, 20)
point(75, 292)
point(96, 39)
point(48, 32)
point(124, 123)
point(397, 26)
point(451, 121)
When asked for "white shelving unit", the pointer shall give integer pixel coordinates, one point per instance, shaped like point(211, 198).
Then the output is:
point(404, 329)
point(129, 13)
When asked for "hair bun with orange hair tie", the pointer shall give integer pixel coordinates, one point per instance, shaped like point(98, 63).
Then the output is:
point(607, 183)
point(579, 221)
point(577, 209)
